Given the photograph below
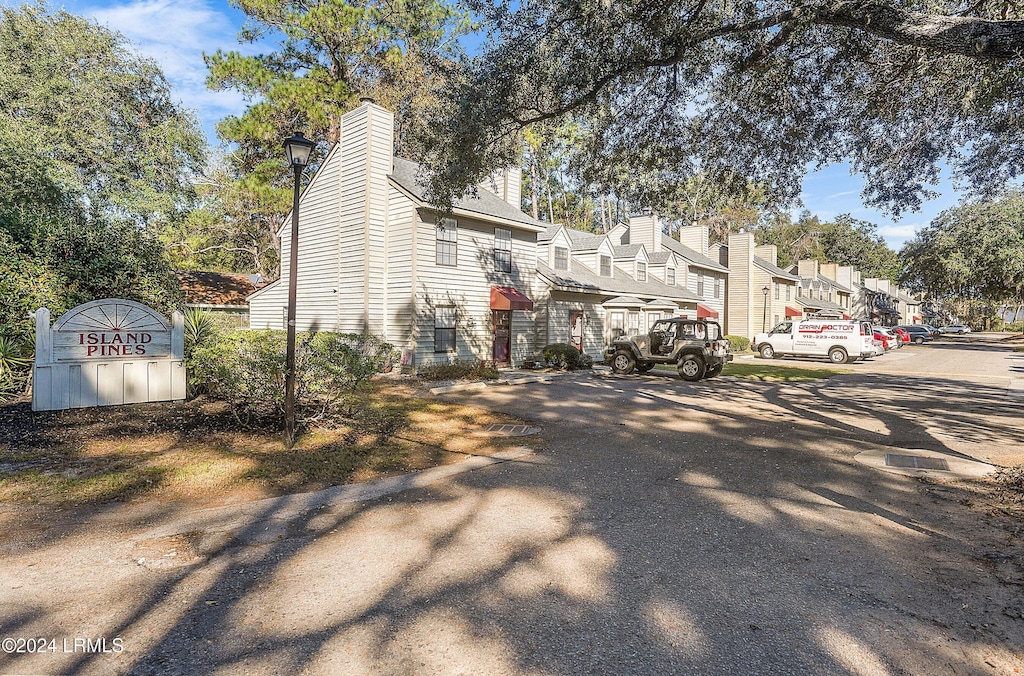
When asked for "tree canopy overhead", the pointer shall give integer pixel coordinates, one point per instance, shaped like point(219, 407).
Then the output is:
point(973, 251)
point(97, 119)
point(761, 90)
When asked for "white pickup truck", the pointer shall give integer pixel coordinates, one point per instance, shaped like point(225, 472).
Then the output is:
point(839, 340)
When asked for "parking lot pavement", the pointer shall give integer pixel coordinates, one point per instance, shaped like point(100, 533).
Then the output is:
point(663, 527)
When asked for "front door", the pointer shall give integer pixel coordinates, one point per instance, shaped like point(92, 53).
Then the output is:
point(576, 330)
point(502, 351)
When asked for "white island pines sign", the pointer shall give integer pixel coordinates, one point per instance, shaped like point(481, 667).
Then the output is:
point(109, 351)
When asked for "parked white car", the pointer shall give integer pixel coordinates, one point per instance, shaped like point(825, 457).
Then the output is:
point(958, 329)
point(839, 340)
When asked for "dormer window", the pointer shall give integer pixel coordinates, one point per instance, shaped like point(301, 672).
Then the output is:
point(641, 271)
point(561, 258)
point(670, 276)
point(605, 265)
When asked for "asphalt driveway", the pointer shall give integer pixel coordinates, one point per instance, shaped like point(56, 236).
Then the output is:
point(660, 527)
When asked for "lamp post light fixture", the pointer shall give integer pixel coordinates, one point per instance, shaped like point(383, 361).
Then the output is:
point(297, 148)
point(764, 317)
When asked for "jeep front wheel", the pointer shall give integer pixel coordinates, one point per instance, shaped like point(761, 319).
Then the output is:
point(767, 352)
point(623, 362)
point(691, 367)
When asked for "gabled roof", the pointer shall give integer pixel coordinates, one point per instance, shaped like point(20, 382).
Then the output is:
point(580, 278)
point(216, 288)
point(775, 270)
point(834, 284)
point(819, 304)
point(691, 256)
point(659, 257)
point(627, 250)
point(907, 299)
point(485, 203)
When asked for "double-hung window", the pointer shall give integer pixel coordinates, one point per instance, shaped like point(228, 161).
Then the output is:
point(670, 276)
point(447, 234)
point(561, 258)
point(605, 263)
point(444, 328)
point(718, 287)
point(700, 284)
point(641, 271)
point(502, 250)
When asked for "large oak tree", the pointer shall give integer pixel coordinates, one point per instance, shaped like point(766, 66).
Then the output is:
point(763, 90)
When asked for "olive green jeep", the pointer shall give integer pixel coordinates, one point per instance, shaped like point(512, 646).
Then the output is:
point(695, 346)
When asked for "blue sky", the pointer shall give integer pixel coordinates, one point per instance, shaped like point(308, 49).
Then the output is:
point(177, 32)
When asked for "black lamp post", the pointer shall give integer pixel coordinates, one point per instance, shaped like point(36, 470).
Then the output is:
point(297, 148)
point(764, 316)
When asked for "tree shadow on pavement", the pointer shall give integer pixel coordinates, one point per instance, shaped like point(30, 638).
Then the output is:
point(715, 527)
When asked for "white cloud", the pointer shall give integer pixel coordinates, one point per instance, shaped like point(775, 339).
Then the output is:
point(905, 230)
point(175, 33)
point(846, 193)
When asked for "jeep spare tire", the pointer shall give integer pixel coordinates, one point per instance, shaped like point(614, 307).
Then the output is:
point(714, 370)
point(691, 367)
point(623, 362)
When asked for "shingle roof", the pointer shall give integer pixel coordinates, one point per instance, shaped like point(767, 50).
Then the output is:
point(819, 304)
point(486, 203)
point(834, 284)
point(907, 299)
point(216, 288)
point(659, 257)
point(626, 250)
point(700, 260)
point(583, 241)
point(580, 278)
point(774, 270)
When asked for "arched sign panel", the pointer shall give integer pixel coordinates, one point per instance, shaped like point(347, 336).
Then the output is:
point(107, 352)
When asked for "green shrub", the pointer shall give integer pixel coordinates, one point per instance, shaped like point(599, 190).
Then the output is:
point(247, 369)
point(585, 362)
point(561, 355)
point(199, 328)
point(15, 365)
point(333, 367)
point(460, 369)
point(738, 343)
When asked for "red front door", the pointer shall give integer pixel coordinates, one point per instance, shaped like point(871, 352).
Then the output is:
point(502, 351)
point(576, 330)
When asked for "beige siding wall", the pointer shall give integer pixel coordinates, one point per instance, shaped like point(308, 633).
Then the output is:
point(709, 289)
point(316, 278)
point(266, 311)
point(557, 321)
point(741, 287)
point(467, 287)
point(401, 308)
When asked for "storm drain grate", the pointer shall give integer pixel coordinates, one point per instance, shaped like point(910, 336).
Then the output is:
point(507, 431)
point(915, 462)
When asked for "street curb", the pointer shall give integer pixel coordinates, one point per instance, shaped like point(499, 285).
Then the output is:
point(458, 387)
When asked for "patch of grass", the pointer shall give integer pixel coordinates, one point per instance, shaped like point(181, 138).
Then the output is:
point(195, 452)
point(779, 374)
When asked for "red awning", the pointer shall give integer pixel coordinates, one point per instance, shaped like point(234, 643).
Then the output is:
point(916, 318)
point(507, 298)
point(705, 312)
point(793, 312)
point(846, 316)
